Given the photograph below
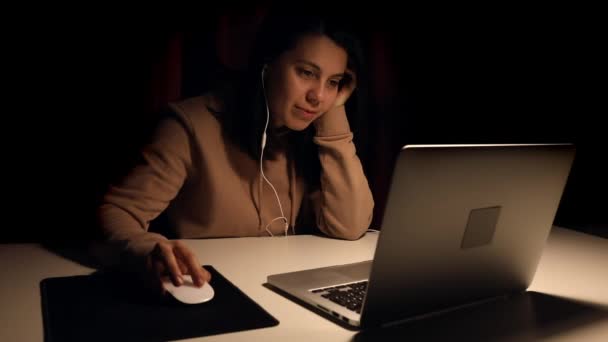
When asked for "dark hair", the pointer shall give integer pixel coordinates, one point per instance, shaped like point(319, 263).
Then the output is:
point(243, 114)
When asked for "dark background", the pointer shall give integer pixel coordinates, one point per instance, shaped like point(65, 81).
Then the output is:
point(83, 93)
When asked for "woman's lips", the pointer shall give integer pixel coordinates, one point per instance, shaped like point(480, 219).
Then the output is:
point(307, 114)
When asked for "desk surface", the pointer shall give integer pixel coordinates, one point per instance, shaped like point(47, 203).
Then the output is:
point(573, 267)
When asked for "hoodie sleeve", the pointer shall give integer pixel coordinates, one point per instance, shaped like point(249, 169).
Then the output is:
point(344, 204)
point(127, 208)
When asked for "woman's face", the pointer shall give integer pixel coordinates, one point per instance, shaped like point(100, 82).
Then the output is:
point(302, 83)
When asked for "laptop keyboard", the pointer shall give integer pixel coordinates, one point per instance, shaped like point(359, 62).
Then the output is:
point(348, 295)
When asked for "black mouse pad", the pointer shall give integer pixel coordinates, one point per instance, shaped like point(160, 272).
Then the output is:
point(100, 307)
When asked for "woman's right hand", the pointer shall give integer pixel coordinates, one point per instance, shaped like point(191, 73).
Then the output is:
point(173, 258)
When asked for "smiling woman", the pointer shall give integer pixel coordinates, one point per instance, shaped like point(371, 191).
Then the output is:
point(305, 82)
point(267, 152)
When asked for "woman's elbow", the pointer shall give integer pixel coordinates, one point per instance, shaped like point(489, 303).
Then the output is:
point(352, 230)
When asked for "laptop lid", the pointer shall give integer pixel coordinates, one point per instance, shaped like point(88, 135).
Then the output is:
point(463, 223)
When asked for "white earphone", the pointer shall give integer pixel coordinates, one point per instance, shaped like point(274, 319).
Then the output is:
point(282, 217)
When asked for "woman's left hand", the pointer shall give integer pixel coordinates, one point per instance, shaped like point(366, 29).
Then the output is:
point(347, 86)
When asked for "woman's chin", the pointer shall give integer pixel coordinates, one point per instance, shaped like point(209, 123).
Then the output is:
point(298, 125)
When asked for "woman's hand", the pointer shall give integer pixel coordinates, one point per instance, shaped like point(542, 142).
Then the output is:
point(173, 258)
point(346, 88)
point(331, 122)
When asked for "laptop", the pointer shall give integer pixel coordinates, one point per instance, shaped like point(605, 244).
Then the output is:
point(463, 224)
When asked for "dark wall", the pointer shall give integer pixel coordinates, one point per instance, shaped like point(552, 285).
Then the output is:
point(81, 104)
point(512, 75)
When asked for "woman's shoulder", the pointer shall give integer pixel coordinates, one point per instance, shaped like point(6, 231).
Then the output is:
point(198, 109)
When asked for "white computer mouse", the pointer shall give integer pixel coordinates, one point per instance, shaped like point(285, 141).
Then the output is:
point(188, 293)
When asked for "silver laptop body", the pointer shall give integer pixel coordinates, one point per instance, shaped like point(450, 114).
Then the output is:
point(462, 224)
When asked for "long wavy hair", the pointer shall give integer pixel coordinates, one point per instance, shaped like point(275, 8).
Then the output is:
point(243, 111)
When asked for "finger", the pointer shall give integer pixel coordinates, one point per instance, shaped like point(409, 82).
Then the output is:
point(194, 269)
point(156, 267)
point(158, 273)
point(182, 266)
point(199, 275)
point(151, 278)
point(159, 268)
point(171, 265)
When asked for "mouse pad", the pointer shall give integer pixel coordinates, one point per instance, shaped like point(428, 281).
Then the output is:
point(101, 307)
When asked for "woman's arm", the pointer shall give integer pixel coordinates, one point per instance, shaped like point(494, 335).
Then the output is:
point(344, 204)
point(127, 209)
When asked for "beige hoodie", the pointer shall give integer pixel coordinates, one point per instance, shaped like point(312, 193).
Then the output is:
point(210, 188)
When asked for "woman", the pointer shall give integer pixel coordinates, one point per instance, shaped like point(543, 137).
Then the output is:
point(263, 155)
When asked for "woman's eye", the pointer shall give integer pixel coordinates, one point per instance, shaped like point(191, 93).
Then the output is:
point(306, 73)
point(334, 83)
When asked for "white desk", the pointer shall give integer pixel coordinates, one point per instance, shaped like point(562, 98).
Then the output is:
point(574, 266)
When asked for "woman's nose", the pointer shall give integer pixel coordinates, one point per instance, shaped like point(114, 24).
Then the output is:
point(315, 95)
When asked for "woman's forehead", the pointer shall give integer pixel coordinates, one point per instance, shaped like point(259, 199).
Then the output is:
point(319, 50)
